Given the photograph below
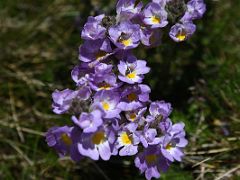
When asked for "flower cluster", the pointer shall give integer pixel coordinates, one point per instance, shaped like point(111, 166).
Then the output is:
point(110, 109)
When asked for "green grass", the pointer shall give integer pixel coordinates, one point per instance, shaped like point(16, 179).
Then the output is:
point(39, 46)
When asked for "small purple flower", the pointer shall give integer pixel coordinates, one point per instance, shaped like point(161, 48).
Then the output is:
point(181, 32)
point(145, 34)
point(177, 130)
point(160, 109)
point(83, 93)
point(126, 9)
point(135, 115)
point(195, 10)
point(60, 139)
point(148, 136)
point(155, 16)
point(81, 74)
point(93, 29)
point(103, 78)
point(131, 71)
point(125, 35)
point(107, 101)
point(150, 37)
point(96, 144)
point(173, 142)
point(106, 82)
point(89, 122)
point(101, 69)
point(134, 97)
point(151, 162)
point(95, 51)
point(128, 141)
point(62, 100)
point(165, 125)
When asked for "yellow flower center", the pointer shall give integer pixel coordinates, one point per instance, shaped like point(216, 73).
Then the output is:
point(155, 20)
point(98, 137)
point(104, 86)
point(132, 75)
point(105, 106)
point(66, 139)
point(151, 158)
point(126, 139)
point(126, 42)
point(132, 97)
point(100, 55)
point(181, 36)
point(169, 146)
point(132, 116)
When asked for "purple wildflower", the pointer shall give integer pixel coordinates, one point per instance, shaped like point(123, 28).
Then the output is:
point(134, 97)
point(148, 136)
point(126, 9)
point(128, 141)
point(62, 100)
point(195, 10)
point(125, 35)
point(96, 144)
point(135, 115)
point(132, 71)
point(104, 78)
point(95, 51)
point(93, 29)
point(106, 82)
point(107, 101)
point(155, 16)
point(165, 125)
point(159, 110)
point(81, 74)
point(83, 93)
point(150, 37)
point(61, 139)
point(181, 32)
point(89, 122)
point(151, 162)
point(103, 68)
point(173, 142)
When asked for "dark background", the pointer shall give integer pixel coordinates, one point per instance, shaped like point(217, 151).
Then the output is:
point(39, 43)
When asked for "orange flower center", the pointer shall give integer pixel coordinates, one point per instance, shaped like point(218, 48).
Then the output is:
point(98, 137)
